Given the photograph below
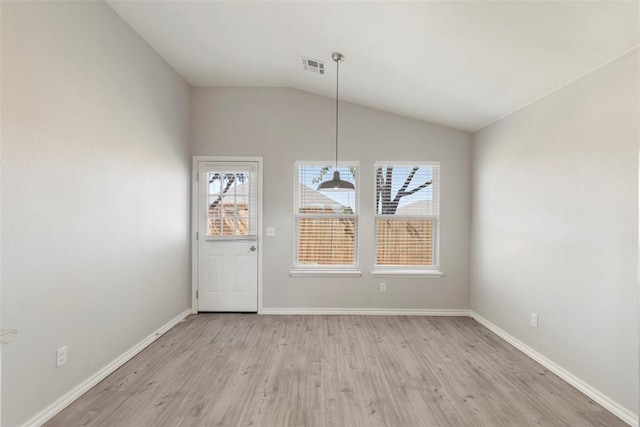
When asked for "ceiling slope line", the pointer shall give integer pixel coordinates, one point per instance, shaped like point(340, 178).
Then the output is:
point(556, 89)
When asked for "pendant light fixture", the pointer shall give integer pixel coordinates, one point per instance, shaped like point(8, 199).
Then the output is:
point(336, 184)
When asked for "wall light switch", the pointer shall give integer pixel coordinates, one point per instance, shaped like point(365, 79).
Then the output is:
point(534, 320)
point(270, 231)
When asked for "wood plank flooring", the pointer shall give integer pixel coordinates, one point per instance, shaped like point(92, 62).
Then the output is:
point(250, 370)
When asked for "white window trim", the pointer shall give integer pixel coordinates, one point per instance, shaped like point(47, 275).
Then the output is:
point(327, 270)
point(379, 271)
point(408, 271)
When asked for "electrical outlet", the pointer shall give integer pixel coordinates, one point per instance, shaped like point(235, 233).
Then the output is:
point(534, 320)
point(383, 287)
point(270, 231)
point(61, 356)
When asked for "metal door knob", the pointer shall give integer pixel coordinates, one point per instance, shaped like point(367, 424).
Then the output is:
point(253, 248)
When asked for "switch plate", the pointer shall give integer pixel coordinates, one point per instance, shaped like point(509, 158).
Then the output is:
point(534, 320)
point(270, 231)
point(383, 287)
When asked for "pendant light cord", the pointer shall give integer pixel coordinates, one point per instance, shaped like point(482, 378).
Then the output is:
point(337, 85)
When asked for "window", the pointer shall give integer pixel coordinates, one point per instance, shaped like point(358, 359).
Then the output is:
point(231, 201)
point(326, 222)
point(407, 217)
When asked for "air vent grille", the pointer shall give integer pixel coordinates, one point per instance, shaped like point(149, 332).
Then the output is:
point(312, 65)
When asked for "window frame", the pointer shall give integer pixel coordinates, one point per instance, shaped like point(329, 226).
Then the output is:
point(326, 270)
point(252, 222)
point(386, 270)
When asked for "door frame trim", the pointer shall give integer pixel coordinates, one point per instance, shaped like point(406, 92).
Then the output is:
point(194, 220)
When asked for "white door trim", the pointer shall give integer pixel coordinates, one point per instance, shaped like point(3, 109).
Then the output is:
point(194, 221)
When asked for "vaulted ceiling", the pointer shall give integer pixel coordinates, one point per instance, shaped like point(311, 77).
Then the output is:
point(460, 64)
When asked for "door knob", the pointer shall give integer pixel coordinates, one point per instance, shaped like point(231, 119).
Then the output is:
point(253, 248)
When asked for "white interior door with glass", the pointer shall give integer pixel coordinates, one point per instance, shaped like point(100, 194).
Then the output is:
point(227, 237)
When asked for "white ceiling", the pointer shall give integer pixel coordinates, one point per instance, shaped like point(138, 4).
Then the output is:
point(461, 64)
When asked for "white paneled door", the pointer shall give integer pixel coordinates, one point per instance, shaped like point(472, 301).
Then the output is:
point(227, 239)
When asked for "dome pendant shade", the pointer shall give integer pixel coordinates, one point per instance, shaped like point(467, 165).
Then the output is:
point(336, 184)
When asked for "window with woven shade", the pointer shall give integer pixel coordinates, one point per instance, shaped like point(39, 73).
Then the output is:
point(326, 222)
point(407, 215)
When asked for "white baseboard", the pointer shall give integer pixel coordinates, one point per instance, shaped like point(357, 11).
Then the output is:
point(365, 311)
point(57, 406)
point(609, 404)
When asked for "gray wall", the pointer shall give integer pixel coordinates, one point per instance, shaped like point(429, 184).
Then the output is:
point(285, 125)
point(95, 196)
point(555, 226)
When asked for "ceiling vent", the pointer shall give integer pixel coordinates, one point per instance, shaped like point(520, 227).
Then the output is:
point(313, 65)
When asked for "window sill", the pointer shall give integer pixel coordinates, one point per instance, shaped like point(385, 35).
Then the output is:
point(435, 274)
point(325, 273)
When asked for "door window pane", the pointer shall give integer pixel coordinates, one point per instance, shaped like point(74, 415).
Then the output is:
point(229, 204)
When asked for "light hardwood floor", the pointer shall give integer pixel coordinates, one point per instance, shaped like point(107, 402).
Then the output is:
point(250, 370)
